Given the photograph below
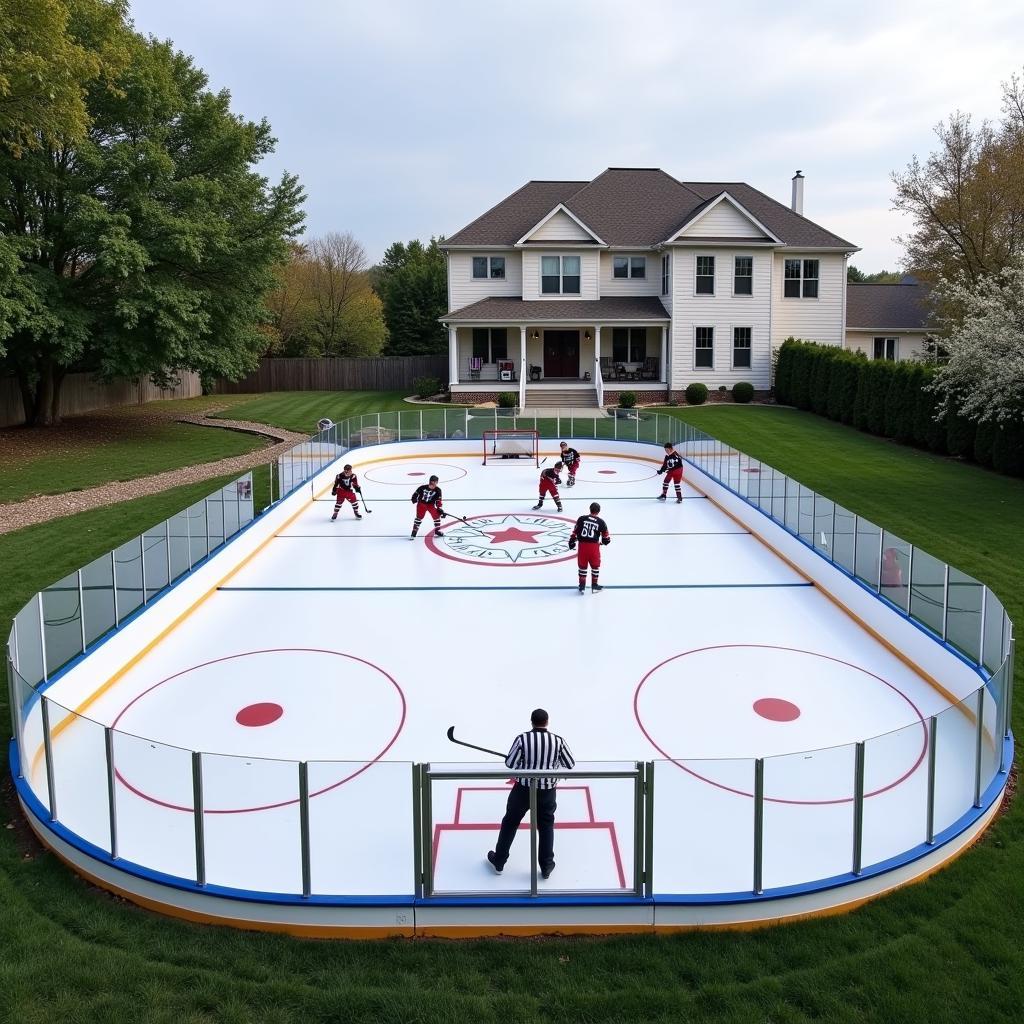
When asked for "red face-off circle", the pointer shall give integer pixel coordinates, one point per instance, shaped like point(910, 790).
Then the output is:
point(256, 715)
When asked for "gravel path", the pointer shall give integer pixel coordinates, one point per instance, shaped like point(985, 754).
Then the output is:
point(18, 515)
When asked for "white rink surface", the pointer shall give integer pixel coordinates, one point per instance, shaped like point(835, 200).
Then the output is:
point(372, 646)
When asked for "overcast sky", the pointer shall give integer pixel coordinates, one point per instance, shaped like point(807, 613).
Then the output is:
point(408, 119)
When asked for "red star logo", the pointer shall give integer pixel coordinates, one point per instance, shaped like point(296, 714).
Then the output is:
point(514, 533)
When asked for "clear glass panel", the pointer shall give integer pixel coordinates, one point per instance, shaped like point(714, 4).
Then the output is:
point(895, 571)
point(153, 802)
point(215, 514)
point(868, 539)
point(991, 726)
point(808, 816)
point(648, 429)
point(792, 520)
point(362, 862)
point(954, 763)
point(29, 653)
point(62, 622)
point(80, 776)
point(98, 598)
point(178, 529)
point(388, 427)
point(992, 647)
point(229, 502)
point(31, 725)
point(963, 621)
point(823, 512)
point(806, 522)
point(128, 576)
point(154, 546)
point(843, 538)
point(434, 423)
point(687, 857)
point(766, 488)
point(251, 823)
point(779, 487)
point(927, 590)
point(895, 793)
point(750, 479)
point(197, 531)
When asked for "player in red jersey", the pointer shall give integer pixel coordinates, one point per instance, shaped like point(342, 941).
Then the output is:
point(672, 467)
point(571, 461)
point(549, 481)
point(590, 532)
point(427, 498)
point(346, 487)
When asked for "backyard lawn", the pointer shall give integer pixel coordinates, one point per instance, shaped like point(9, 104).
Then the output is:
point(950, 949)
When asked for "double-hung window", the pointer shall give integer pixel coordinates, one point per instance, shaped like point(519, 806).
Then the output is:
point(743, 275)
point(488, 267)
point(490, 343)
point(704, 347)
point(629, 345)
point(705, 284)
point(664, 274)
point(560, 275)
point(741, 347)
point(629, 266)
point(801, 279)
point(886, 348)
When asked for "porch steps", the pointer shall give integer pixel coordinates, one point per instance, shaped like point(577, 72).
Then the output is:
point(555, 398)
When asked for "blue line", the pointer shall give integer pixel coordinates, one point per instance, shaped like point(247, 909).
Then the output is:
point(572, 586)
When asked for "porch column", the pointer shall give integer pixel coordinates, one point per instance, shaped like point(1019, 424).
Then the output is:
point(664, 354)
point(453, 355)
point(598, 378)
point(524, 368)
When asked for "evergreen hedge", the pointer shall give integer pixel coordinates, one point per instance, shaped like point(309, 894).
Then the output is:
point(891, 400)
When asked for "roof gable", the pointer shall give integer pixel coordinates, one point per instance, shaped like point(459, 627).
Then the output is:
point(723, 217)
point(560, 225)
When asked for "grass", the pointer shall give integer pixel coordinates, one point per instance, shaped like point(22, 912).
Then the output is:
point(950, 949)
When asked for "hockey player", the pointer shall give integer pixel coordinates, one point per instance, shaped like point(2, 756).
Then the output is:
point(427, 498)
point(672, 467)
point(590, 532)
point(346, 487)
point(549, 481)
point(571, 460)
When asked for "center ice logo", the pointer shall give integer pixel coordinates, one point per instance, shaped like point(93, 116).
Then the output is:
point(516, 540)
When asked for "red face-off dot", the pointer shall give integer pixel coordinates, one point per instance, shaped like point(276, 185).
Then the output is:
point(776, 710)
point(256, 715)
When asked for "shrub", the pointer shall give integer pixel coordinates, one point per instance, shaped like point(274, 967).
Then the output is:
point(784, 362)
point(696, 394)
point(959, 434)
point(508, 400)
point(929, 425)
point(984, 436)
point(901, 403)
point(821, 378)
point(878, 392)
point(426, 387)
point(1008, 449)
point(627, 399)
point(742, 392)
point(859, 415)
point(800, 381)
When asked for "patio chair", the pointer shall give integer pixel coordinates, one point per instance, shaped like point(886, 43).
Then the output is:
point(649, 370)
point(607, 373)
point(475, 366)
point(621, 373)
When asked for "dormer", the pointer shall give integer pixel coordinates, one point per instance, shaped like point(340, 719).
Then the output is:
point(560, 227)
point(722, 220)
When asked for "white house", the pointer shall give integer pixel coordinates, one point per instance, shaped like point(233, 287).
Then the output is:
point(570, 292)
point(890, 321)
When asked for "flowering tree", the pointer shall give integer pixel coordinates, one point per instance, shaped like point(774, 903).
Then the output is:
point(984, 378)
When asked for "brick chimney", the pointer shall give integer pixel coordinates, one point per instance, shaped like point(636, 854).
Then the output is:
point(797, 205)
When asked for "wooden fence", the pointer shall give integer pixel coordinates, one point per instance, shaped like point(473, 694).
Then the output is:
point(81, 392)
point(385, 373)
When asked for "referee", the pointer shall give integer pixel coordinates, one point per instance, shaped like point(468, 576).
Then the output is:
point(536, 750)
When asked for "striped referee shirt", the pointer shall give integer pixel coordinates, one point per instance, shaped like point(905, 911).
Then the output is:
point(539, 750)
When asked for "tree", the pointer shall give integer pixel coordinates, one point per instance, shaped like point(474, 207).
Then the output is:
point(289, 305)
point(984, 376)
point(412, 282)
point(146, 246)
point(855, 276)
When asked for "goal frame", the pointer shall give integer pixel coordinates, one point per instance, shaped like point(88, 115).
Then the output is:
point(530, 438)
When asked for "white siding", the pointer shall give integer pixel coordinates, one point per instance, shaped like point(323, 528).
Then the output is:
point(819, 319)
point(649, 285)
point(463, 290)
point(724, 221)
point(560, 228)
point(723, 311)
point(910, 343)
point(588, 274)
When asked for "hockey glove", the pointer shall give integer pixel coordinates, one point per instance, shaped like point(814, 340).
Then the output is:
point(572, 543)
point(606, 541)
point(660, 471)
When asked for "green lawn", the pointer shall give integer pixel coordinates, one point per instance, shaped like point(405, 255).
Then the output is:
point(947, 950)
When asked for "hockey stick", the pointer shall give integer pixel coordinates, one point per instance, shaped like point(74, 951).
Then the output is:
point(463, 743)
point(367, 507)
point(545, 459)
point(452, 515)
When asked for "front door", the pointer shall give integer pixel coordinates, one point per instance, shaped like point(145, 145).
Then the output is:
point(562, 354)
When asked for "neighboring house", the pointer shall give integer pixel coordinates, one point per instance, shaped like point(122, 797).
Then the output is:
point(570, 292)
point(889, 321)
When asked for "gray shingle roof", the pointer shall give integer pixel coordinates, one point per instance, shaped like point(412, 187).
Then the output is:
point(889, 307)
point(634, 206)
point(513, 310)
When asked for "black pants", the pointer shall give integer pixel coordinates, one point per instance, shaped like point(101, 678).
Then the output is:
point(516, 809)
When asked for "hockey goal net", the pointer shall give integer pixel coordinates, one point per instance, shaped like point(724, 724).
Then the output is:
point(511, 444)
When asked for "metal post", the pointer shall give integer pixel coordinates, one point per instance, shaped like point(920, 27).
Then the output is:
point(1009, 683)
point(638, 829)
point(858, 806)
point(188, 534)
point(142, 562)
point(1001, 720)
point(167, 548)
point(417, 828)
point(108, 746)
point(421, 424)
point(206, 516)
point(978, 744)
point(878, 565)
point(533, 838)
point(42, 632)
point(933, 734)
point(832, 537)
point(427, 829)
point(445, 414)
point(945, 599)
point(760, 476)
point(981, 631)
point(113, 585)
point(649, 831)
point(13, 698)
point(81, 608)
point(307, 886)
point(910, 576)
point(197, 816)
point(758, 825)
point(223, 519)
point(856, 537)
point(51, 789)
